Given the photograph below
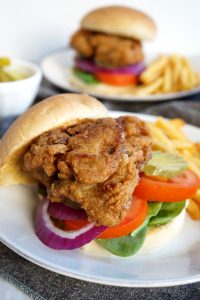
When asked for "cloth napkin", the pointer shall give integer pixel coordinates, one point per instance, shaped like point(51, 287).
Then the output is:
point(41, 284)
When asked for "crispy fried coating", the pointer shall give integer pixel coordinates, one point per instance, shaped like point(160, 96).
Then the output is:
point(107, 49)
point(95, 163)
point(96, 152)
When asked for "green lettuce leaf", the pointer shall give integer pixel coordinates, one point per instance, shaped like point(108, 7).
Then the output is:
point(125, 245)
point(168, 211)
point(86, 77)
point(153, 209)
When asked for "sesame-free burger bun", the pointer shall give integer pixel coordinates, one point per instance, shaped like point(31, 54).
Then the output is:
point(56, 111)
point(120, 21)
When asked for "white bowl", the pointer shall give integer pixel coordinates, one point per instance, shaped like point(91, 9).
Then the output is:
point(17, 96)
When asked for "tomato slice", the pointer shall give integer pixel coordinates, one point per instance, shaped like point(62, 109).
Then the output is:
point(116, 78)
point(176, 189)
point(76, 224)
point(135, 217)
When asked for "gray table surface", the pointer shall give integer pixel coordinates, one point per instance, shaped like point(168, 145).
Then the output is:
point(42, 284)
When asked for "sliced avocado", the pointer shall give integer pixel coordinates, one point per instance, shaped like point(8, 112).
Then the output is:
point(165, 164)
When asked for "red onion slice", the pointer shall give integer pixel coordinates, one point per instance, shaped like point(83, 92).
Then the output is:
point(89, 66)
point(56, 238)
point(61, 211)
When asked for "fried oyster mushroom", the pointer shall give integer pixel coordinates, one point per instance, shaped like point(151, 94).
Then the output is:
point(95, 163)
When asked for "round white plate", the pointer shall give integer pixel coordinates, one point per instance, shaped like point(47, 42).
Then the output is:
point(57, 69)
point(178, 263)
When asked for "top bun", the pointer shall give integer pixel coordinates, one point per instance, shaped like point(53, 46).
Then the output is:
point(56, 111)
point(121, 21)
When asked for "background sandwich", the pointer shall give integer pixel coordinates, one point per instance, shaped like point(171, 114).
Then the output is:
point(109, 49)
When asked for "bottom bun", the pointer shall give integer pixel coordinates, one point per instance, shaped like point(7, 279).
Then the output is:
point(100, 88)
point(156, 238)
point(159, 237)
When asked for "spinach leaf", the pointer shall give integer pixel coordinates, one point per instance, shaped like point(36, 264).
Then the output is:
point(153, 209)
point(138, 229)
point(169, 211)
point(125, 245)
point(86, 77)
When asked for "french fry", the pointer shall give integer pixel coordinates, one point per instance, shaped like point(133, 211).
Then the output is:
point(154, 70)
point(149, 89)
point(158, 135)
point(191, 157)
point(176, 65)
point(192, 166)
point(193, 162)
point(167, 82)
point(182, 145)
point(177, 123)
point(159, 91)
point(184, 79)
point(197, 149)
point(170, 130)
point(175, 73)
point(197, 195)
point(193, 209)
point(157, 145)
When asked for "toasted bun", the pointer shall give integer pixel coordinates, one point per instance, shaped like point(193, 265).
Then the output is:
point(122, 21)
point(56, 111)
point(100, 88)
point(156, 238)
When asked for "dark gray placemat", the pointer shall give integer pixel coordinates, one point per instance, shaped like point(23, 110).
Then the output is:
point(42, 284)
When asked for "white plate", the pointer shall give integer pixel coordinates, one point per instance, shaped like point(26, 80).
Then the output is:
point(178, 263)
point(57, 68)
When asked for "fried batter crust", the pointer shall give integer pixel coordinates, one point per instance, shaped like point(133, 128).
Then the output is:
point(95, 163)
point(107, 49)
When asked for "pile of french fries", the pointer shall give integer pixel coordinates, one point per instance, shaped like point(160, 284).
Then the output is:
point(168, 136)
point(167, 74)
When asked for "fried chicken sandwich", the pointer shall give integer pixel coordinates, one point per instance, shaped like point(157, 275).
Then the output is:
point(87, 166)
point(109, 49)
